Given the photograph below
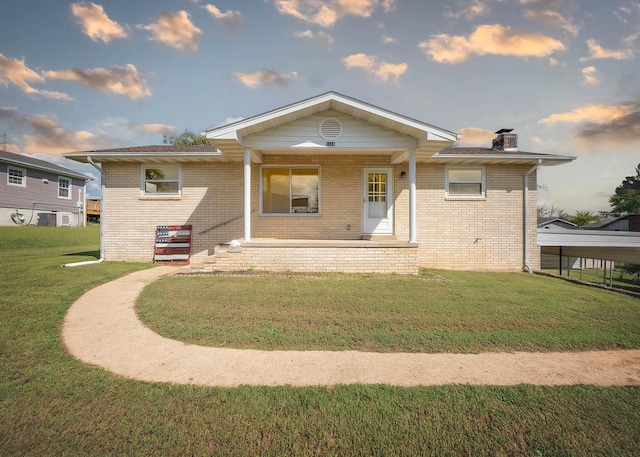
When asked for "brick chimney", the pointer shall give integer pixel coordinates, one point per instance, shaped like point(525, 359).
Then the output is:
point(505, 141)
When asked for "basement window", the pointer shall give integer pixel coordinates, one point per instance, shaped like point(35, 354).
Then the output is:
point(465, 182)
point(290, 191)
point(161, 180)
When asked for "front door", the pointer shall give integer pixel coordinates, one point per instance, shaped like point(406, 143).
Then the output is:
point(377, 198)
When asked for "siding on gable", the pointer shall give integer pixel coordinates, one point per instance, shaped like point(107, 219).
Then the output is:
point(355, 134)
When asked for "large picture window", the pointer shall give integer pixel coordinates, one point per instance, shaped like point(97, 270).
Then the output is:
point(16, 176)
point(64, 187)
point(465, 182)
point(290, 190)
point(161, 179)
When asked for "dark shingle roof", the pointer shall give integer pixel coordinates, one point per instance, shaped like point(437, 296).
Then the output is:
point(159, 148)
point(31, 162)
point(486, 151)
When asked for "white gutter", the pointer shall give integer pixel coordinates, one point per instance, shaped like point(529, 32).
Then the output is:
point(525, 217)
point(102, 187)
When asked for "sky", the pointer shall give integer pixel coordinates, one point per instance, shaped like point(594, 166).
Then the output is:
point(564, 74)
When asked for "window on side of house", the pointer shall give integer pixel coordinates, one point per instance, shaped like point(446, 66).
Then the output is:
point(465, 182)
point(161, 179)
point(290, 190)
point(64, 187)
point(16, 176)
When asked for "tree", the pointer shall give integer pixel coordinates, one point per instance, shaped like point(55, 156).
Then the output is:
point(627, 196)
point(554, 212)
point(583, 218)
point(186, 138)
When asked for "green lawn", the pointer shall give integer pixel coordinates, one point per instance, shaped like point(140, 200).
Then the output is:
point(435, 312)
point(52, 404)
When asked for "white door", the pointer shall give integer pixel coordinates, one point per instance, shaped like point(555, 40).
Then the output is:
point(377, 198)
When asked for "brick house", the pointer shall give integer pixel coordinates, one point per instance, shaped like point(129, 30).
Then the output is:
point(329, 183)
point(36, 192)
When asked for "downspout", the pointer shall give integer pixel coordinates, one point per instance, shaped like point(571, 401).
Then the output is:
point(525, 217)
point(102, 187)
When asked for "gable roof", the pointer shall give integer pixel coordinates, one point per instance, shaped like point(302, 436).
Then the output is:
point(158, 153)
point(607, 221)
point(429, 139)
point(26, 161)
point(557, 221)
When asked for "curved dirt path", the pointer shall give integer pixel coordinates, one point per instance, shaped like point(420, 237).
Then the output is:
point(101, 328)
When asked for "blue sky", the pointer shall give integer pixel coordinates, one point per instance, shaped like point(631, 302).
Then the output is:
point(563, 73)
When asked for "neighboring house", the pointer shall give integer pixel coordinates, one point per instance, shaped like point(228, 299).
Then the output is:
point(627, 223)
point(329, 183)
point(37, 192)
point(557, 224)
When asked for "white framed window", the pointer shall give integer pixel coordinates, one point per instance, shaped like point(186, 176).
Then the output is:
point(290, 190)
point(161, 180)
point(64, 187)
point(465, 182)
point(16, 176)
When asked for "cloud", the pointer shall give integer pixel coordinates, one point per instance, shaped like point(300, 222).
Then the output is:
point(325, 13)
point(552, 18)
point(598, 52)
point(125, 80)
point(160, 129)
point(475, 135)
point(229, 120)
point(15, 71)
point(589, 113)
point(622, 131)
point(589, 76)
point(468, 9)
point(379, 69)
point(175, 30)
point(46, 136)
point(95, 23)
point(265, 76)
point(321, 37)
point(386, 39)
point(489, 39)
point(231, 20)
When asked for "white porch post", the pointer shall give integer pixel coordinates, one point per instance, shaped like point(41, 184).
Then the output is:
point(412, 196)
point(247, 194)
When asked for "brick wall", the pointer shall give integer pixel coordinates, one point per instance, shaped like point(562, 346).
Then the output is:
point(454, 234)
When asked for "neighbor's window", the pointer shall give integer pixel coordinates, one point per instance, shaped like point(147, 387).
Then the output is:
point(16, 176)
point(290, 190)
point(161, 179)
point(64, 187)
point(465, 182)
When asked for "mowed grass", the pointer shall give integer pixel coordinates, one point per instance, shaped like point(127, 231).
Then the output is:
point(52, 404)
point(440, 311)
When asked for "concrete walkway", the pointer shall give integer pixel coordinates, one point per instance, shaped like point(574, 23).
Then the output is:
point(101, 328)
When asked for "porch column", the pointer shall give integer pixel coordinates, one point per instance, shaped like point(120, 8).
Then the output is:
point(247, 194)
point(412, 196)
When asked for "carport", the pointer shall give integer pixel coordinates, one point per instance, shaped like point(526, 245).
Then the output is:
point(611, 246)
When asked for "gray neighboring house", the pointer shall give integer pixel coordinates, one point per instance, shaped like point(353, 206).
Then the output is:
point(626, 223)
point(37, 192)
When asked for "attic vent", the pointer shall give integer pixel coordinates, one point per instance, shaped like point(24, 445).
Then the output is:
point(330, 129)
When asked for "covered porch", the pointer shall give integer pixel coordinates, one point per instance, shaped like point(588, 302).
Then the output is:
point(346, 145)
